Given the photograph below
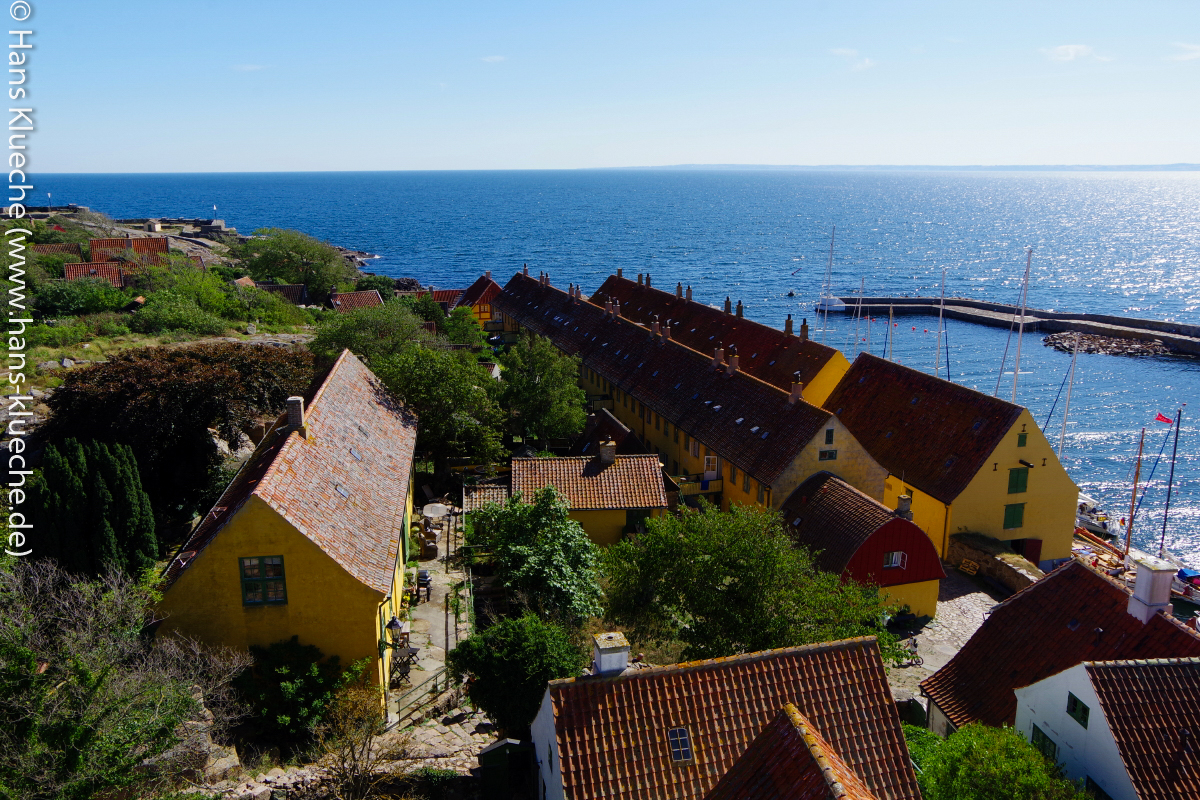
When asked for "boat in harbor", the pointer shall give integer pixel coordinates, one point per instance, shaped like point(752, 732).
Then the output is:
point(827, 302)
point(1092, 518)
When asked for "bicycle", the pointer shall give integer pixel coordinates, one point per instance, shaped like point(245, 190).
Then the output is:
point(914, 658)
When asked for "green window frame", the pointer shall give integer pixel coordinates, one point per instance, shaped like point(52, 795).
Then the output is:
point(746, 482)
point(1077, 710)
point(1018, 480)
point(1014, 516)
point(829, 436)
point(1044, 744)
point(827, 455)
point(1022, 439)
point(262, 580)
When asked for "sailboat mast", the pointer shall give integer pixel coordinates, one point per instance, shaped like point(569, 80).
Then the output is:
point(891, 325)
point(828, 283)
point(1137, 472)
point(1021, 325)
point(862, 285)
point(1071, 385)
point(1162, 544)
point(937, 354)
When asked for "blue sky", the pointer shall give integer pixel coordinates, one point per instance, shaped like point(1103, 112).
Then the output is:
point(261, 86)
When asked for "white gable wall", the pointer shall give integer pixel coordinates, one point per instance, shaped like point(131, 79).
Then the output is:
point(1084, 752)
point(545, 745)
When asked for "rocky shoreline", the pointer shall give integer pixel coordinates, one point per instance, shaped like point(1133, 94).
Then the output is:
point(1064, 342)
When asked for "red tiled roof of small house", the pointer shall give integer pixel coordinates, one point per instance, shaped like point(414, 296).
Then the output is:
point(351, 301)
point(105, 270)
point(591, 483)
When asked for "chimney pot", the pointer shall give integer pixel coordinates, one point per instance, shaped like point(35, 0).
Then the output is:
point(648, 280)
point(655, 328)
point(679, 290)
point(732, 366)
point(666, 331)
point(904, 507)
point(804, 330)
point(787, 326)
point(616, 308)
point(611, 653)
point(718, 357)
point(608, 452)
point(488, 274)
point(689, 293)
point(1151, 587)
point(619, 271)
point(739, 308)
point(525, 269)
point(640, 276)
point(295, 415)
point(728, 305)
point(794, 395)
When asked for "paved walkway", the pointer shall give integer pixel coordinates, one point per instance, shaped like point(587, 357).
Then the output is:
point(963, 604)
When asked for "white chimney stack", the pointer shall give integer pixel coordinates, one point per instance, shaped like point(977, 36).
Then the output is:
point(608, 452)
point(794, 396)
point(718, 357)
point(295, 415)
point(1151, 588)
point(689, 293)
point(904, 507)
point(611, 653)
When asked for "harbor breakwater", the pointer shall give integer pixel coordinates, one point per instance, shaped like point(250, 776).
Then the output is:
point(1178, 337)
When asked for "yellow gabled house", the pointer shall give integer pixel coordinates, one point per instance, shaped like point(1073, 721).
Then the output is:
point(971, 463)
point(309, 539)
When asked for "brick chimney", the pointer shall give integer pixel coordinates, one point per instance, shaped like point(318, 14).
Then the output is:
point(619, 272)
point(718, 357)
point(787, 326)
point(608, 452)
point(689, 293)
point(295, 416)
point(640, 276)
point(794, 395)
point(728, 305)
point(732, 365)
point(679, 290)
point(611, 654)
point(616, 308)
point(739, 309)
point(804, 330)
point(904, 507)
point(648, 280)
point(666, 332)
point(1151, 587)
point(525, 270)
point(488, 274)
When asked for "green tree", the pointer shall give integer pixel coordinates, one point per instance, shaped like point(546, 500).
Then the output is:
point(86, 697)
point(292, 257)
point(424, 307)
point(982, 763)
point(289, 688)
point(380, 283)
point(453, 398)
point(510, 664)
point(733, 582)
point(543, 557)
point(90, 510)
point(541, 389)
point(162, 401)
point(370, 333)
point(462, 328)
point(81, 296)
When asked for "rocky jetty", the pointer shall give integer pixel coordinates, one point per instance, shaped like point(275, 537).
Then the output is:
point(1092, 343)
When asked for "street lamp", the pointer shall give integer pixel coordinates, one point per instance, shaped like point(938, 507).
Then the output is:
point(394, 628)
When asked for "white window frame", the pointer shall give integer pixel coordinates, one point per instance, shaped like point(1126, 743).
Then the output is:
point(895, 559)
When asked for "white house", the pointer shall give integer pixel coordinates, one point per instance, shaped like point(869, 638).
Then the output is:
point(1125, 728)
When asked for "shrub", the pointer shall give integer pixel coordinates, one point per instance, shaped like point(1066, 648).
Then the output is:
point(289, 688)
point(55, 335)
point(982, 763)
point(381, 283)
point(169, 311)
point(107, 324)
point(82, 296)
point(922, 744)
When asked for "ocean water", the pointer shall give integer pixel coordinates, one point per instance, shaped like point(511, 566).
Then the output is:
point(1119, 243)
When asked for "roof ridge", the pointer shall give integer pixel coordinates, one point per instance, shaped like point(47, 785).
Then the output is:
point(721, 661)
point(809, 735)
point(1184, 661)
point(926, 376)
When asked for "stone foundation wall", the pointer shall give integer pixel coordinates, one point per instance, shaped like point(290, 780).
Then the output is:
point(996, 560)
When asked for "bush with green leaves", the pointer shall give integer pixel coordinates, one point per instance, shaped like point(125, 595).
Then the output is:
point(922, 744)
point(461, 327)
point(57, 335)
point(541, 388)
point(543, 557)
point(424, 307)
point(380, 283)
point(510, 664)
point(90, 511)
point(289, 256)
point(981, 763)
point(370, 333)
point(290, 687)
point(80, 296)
point(170, 311)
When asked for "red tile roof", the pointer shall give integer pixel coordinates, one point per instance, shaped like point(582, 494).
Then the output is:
point(59, 248)
point(790, 760)
point(935, 433)
point(447, 296)
point(1072, 615)
point(142, 246)
point(106, 270)
point(1153, 711)
point(344, 486)
point(246, 281)
point(590, 485)
point(349, 301)
point(747, 421)
point(837, 521)
point(477, 496)
point(612, 731)
point(483, 290)
point(294, 293)
point(766, 353)
point(603, 425)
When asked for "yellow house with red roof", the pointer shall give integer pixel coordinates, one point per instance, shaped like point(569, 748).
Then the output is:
point(309, 539)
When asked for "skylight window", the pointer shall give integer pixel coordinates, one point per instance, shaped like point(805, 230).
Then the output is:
point(678, 385)
point(681, 745)
point(717, 407)
point(708, 402)
point(796, 522)
point(363, 431)
point(770, 363)
point(654, 374)
point(914, 401)
point(765, 434)
point(356, 454)
point(754, 429)
point(754, 355)
point(739, 420)
point(337, 487)
point(639, 366)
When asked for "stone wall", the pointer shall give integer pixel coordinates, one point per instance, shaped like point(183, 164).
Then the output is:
point(996, 560)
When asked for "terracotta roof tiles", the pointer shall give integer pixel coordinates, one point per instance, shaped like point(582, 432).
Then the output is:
point(749, 422)
point(483, 290)
point(350, 301)
point(1072, 615)
point(590, 484)
point(790, 760)
point(105, 270)
point(477, 496)
point(59, 249)
point(1153, 711)
point(344, 485)
point(612, 731)
point(935, 433)
point(601, 425)
point(294, 293)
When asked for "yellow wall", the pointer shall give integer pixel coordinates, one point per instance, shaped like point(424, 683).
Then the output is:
point(482, 312)
point(820, 387)
point(921, 598)
point(853, 464)
point(326, 606)
point(928, 514)
point(602, 527)
point(1050, 500)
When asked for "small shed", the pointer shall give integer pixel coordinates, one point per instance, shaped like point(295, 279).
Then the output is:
point(506, 766)
point(861, 539)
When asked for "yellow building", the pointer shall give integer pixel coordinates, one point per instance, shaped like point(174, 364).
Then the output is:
point(479, 296)
point(608, 494)
point(780, 358)
point(309, 539)
point(720, 432)
point(970, 462)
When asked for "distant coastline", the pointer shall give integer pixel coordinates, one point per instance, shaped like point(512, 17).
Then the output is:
point(932, 167)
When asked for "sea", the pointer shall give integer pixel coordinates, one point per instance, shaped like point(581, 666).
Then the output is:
point(1124, 243)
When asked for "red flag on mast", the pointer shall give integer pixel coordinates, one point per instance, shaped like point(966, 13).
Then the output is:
point(1161, 418)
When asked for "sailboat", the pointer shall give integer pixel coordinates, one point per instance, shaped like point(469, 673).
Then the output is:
point(827, 302)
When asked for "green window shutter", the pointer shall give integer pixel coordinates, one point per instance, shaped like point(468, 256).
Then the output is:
point(1018, 480)
point(1014, 515)
point(1022, 439)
